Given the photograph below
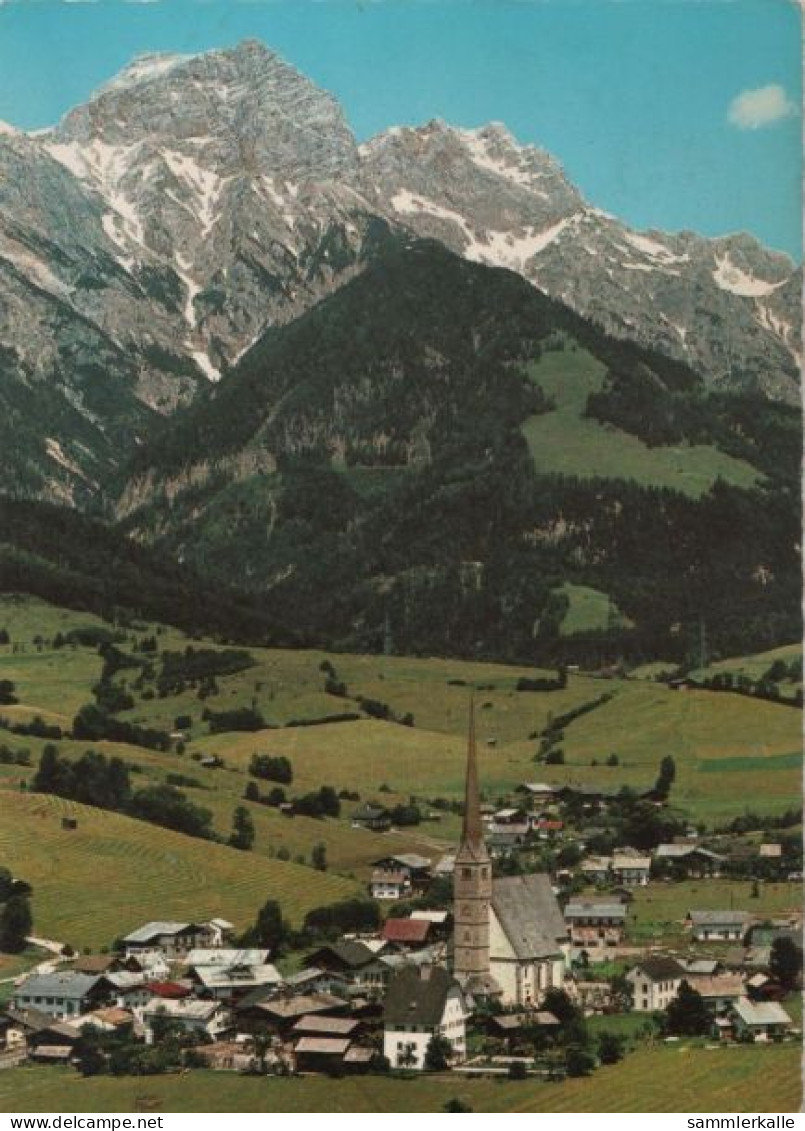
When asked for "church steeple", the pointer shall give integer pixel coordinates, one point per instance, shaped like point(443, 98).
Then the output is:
point(472, 830)
point(472, 883)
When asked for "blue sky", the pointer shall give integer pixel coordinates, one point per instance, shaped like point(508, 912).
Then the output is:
point(668, 113)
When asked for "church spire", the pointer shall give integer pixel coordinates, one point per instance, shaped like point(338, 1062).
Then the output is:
point(472, 832)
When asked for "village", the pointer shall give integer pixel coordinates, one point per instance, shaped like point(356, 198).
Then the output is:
point(478, 967)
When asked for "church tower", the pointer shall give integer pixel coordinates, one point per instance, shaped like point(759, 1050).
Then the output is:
point(472, 885)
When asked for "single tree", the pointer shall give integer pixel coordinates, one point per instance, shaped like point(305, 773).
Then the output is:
point(16, 922)
point(666, 776)
point(687, 1014)
point(242, 829)
point(785, 963)
point(610, 1047)
point(438, 1054)
point(318, 857)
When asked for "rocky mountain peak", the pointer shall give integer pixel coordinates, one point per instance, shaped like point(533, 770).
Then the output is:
point(237, 110)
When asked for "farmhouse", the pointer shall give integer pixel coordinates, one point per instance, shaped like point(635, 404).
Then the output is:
point(417, 868)
point(654, 982)
point(228, 983)
point(174, 940)
point(720, 992)
point(688, 860)
point(351, 961)
point(376, 818)
point(762, 1020)
point(390, 885)
point(422, 1002)
point(541, 793)
point(407, 933)
point(62, 994)
point(631, 871)
point(718, 926)
point(595, 923)
point(208, 1018)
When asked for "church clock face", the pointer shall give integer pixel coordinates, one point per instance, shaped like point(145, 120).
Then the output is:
point(466, 909)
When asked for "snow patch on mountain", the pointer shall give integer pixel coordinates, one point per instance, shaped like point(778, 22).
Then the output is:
point(506, 249)
point(202, 360)
point(730, 277)
point(144, 68)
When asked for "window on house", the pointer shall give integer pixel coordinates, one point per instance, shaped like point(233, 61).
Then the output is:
point(466, 873)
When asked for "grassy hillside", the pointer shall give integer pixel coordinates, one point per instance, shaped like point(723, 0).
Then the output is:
point(566, 442)
point(666, 1078)
point(110, 874)
point(756, 743)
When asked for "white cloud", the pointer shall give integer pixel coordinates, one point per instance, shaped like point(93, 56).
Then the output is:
point(753, 109)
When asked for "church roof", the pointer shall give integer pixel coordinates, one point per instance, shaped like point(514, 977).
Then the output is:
point(529, 914)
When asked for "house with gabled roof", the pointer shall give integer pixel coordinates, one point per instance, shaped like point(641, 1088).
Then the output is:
point(423, 1002)
point(208, 1018)
point(173, 939)
point(718, 926)
point(655, 982)
point(62, 993)
point(376, 818)
point(595, 922)
point(387, 884)
point(761, 1020)
point(407, 933)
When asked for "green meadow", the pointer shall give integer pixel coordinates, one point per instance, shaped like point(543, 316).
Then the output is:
point(655, 1078)
point(565, 442)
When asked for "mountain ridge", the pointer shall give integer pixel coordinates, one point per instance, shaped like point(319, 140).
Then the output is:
point(195, 201)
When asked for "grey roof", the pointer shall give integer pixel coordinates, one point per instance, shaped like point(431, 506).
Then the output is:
point(703, 966)
point(407, 859)
point(320, 1023)
point(417, 996)
point(349, 952)
point(232, 977)
point(332, 1046)
point(529, 914)
point(227, 956)
point(153, 930)
point(680, 851)
point(718, 918)
point(661, 968)
point(579, 909)
point(370, 811)
point(71, 984)
point(761, 1012)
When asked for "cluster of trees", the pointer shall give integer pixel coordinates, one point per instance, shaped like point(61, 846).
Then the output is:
point(36, 728)
point(323, 802)
point(79, 562)
point(16, 919)
point(270, 767)
point(11, 757)
point(93, 723)
point(767, 687)
point(119, 1053)
point(237, 718)
point(194, 665)
point(543, 684)
point(321, 924)
point(94, 779)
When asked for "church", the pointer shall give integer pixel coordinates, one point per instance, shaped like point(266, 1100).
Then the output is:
point(510, 939)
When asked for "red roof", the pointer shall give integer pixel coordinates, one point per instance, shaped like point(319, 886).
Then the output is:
point(168, 989)
point(406, 930)
point(543, 824)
